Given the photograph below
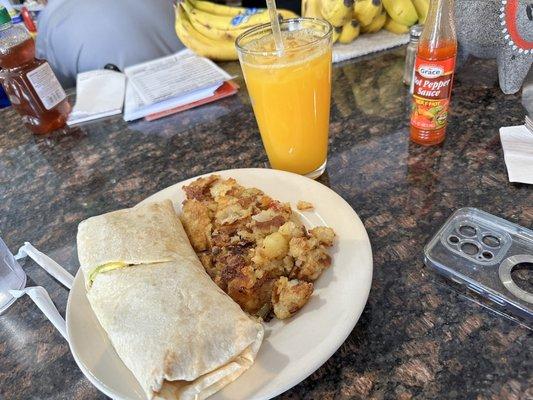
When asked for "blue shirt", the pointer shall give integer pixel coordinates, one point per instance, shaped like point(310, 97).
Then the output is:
point(83, 35)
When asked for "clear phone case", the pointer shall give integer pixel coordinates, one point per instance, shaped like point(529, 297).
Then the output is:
point(478, 250)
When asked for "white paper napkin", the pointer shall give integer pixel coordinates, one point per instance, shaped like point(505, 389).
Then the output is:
point(99, 94)
point(368, 43)
point(517, 143)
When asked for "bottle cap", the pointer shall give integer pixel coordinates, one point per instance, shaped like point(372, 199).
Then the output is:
point(4, 16)
point(16, 19)
point(416, 31)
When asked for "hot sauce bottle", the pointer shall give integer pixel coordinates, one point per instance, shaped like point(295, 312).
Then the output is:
point(30, 83)
point(433, 75)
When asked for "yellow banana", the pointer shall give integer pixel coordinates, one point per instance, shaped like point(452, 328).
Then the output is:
point(337, 12)
point(311, 8)
point(394, 27)
point(231, 11)
point(337, 30)
point(402, 11)
point(422, 8)
point(376, 24)
point(218, 9)
point(215, 49)
point(287, 14)
point(350, 31)
point(199, 21)
point(239, 21)
point(223, 22)
point(366, 10)
point(216, 34)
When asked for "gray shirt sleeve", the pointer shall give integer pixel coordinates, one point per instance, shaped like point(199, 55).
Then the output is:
point(82, 35)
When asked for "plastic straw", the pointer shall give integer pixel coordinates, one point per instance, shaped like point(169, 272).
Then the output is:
point(274, 21)
point(41, 298)
point(46, 263)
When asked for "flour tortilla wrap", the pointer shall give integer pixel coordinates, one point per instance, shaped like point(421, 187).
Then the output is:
point(177, 331)
point(145, 234)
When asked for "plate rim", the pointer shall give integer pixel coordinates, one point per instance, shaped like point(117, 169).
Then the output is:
point(306, 372)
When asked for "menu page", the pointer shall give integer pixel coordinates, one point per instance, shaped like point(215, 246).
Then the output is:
point(174, 76)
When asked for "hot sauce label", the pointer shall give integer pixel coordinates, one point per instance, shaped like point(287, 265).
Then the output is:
point(431, 93)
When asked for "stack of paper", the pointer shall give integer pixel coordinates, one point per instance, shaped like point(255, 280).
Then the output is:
point(100, 94)
point(170, 83)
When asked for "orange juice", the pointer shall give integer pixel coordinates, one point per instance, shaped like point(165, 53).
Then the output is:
point(290, 96)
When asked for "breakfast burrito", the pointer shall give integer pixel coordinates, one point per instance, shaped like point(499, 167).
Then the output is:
point(177, 331)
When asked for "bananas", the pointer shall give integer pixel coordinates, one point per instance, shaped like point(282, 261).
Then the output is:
point(217, 50)
point(422, 8)
point(217, 9)
point(225, 22)
point(366, 10)
point(376, 24)
point(394, 27)
point(210, 29)
point(401, 11)
point(337, 12)
point(350, 31)
point(200, 22)
point(311, 8)
point(351, 18)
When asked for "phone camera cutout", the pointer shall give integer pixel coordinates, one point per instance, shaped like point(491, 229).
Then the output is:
point(469, 248)
point(491, 241)
point(453, 239)
point(487, 255)
point(522, 276)
point(467, 230)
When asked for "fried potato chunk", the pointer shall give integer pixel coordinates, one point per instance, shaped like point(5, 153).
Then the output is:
point(311, 257)
point(304, 205)
point(290, 229)
point(275, 246)
point(197, 223)
point(253, 246)
point(229, 211)
point(323, 234)
point(200, 188)
point(289, 296)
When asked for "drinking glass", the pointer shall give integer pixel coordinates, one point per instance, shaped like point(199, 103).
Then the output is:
point(11, 276)
point(291, 91)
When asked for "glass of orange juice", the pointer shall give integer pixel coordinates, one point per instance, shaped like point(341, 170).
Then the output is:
point(291, 91)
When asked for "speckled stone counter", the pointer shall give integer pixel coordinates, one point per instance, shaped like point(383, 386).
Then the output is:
point(416, 339)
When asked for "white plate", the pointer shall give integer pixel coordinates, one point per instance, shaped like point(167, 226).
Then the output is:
point(292, 349)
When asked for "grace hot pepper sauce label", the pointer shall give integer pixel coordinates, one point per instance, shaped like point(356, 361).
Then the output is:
point(431, 95)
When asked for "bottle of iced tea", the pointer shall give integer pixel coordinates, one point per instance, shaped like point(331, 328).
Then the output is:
point(31, 85)
point(433, 75)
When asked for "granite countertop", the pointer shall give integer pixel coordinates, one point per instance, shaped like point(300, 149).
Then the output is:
point(416, 339)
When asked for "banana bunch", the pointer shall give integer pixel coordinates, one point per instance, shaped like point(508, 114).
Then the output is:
point(402, 14)
point(210, 29)
point(366, 10)
point(351, 18)
point(338, 13)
